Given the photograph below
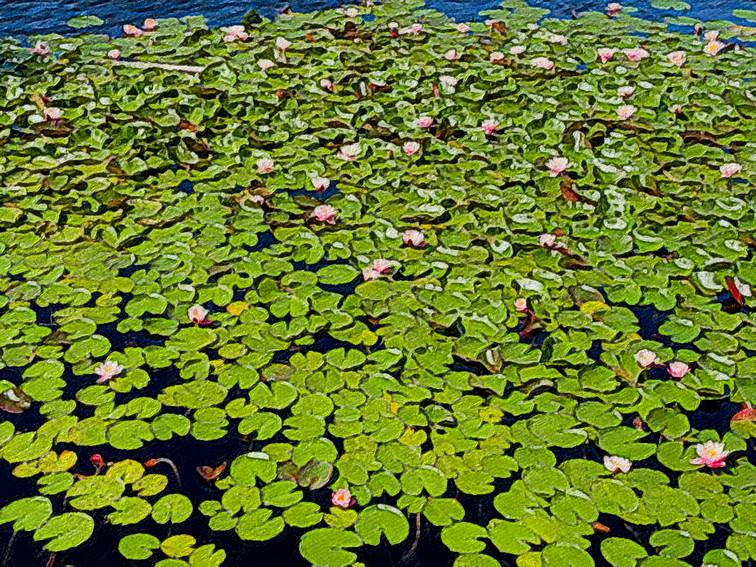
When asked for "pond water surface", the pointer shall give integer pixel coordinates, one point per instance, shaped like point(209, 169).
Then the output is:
point(29, 17)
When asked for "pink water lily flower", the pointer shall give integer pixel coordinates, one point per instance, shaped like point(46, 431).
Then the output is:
point(489, 126)
point(626, 91)
point(197, 315)
point(257, 199)
point(521, 304)
point(625, 111)
point(410, 148)
point(605, 54)
point(645, 358)
point(326, 84)
point(711, 35)
point(677, 58)
point(676, 108)
point(132, 30)
point(265, 64)
point(349, 152)
point(114, 54)
point(496, 57)
point(234, 33)
point(463, 28)
point(542, 63)
point(282, 44)
point(342, 498)
point(41, 49)
point(149, 24)
point(616, 464)
point(677, 369)
point(547, 240)
point(413, 238)
point(325, 213)
point(265, 165)
point(52, 114)
point(711, 454)
point(424, 122)
point(635, 54)
point(517, 49)
point(380, 267)
point(613, 8)
point(108, 370)
point(320, 183)
point(452, 55)
point(557, 165)
point(730, 169)
point(713, 48)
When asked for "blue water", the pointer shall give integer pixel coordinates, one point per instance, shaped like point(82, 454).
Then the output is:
point(24, 18)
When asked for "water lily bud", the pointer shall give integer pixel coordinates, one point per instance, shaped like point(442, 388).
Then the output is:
point(149, 24)
point(114, 54)
point(678, 369)
point(521, 304)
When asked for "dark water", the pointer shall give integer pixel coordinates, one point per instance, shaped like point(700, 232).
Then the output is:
point(28, 17)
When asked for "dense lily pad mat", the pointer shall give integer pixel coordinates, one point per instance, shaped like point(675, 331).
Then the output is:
point(487, 284)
